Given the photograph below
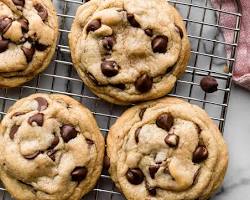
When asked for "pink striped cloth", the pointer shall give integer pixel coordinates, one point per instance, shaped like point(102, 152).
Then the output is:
point(241, 74)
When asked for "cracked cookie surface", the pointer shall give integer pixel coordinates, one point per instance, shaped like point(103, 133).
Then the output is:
point(51, 148)
point(166, 149)
point(28, 36)
point(128, 51)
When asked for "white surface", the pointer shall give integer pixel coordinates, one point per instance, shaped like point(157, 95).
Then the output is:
point(237, 135)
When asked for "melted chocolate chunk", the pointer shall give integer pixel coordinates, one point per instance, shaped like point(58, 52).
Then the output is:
point(24, 24)
point(108, 42)
point(135, 176)
point(151, 190)
point(29, 53)
point(4, 44)
point(153, 170)
point(42, 12)
point(172, 140)
point(13, 131)
point(143, 110)
point(37, 118)
point(160, 44)
point(137, 132)
point(149, 32)
point(40, 47)
point(132, 20)
point(68, 132)
point(42, 103)
point(5, 23)
point(19, 2)
point(109, 68)
point(79, 174)
point(94, 25)
point(144, 83)
point(200, 154)
point(32, 156)
point(209, 84)
point(55, 142)
point(165, 121)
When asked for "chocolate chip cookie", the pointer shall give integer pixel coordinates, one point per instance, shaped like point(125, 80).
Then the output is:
point(28, 36)
point(128, 51)
point(166, 149)
point(50, 148)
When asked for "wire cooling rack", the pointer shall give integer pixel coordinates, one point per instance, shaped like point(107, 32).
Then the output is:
point(208, 57)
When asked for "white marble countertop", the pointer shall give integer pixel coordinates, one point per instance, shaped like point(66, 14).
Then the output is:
point(237, 135)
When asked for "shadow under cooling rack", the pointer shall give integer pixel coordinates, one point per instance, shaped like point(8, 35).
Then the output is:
point(208, 58)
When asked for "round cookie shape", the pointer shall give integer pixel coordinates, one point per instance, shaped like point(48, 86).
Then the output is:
point(28, 37)
point(166, 149)
point(129, 51)
point(51, 148)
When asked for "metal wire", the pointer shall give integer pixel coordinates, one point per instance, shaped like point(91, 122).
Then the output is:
point(61, 78)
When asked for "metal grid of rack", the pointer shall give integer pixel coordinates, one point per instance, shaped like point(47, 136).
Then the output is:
point(208, 57)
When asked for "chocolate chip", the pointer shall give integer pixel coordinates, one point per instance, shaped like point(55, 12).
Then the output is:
point(109, 68)
point(121, 86)
point(108, 42)
point(179, 30)
point(37, 118)
point(165, 121)
point(106, 162)
point(5, 23)
point(151, 190)
point(79, 174)
point(68, 132)
point(13, 131)
point(24, 24)
point(92, 78)
point(132, 20)
point(153, 170)
point(160, 44)
point(172, 140)
point(209, 84)
point(4, 44)
point(52, 154)
point(94, 25)
point(166, 171)
point(19, 2)
point(42, 12)
point(169, 69)
point(200, 154)
point(135, 176)
point(137, 132)
point(32, 156)
point(40, 47)
point(143, 110)
point(55, 142)
point(89, 141)
point(144, 83)
point(149, 32)
point(29, 53)
point(42, 103)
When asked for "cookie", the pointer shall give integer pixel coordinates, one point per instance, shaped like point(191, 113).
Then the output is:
point(50, 148)
point(28, 37)
point(129, 51)
point(166, 149)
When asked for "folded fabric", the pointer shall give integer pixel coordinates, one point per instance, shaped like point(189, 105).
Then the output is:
point(241, 72)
